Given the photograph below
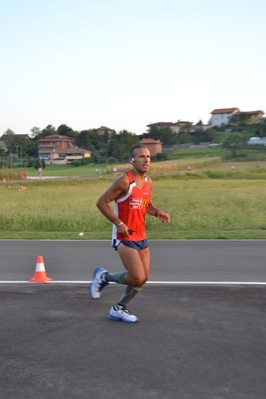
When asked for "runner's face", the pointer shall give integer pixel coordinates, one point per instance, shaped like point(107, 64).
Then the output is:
point(142, 160)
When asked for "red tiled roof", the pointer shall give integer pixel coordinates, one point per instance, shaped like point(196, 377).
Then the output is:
point(53, 137)
point(224, 110)
point(250, 113)
point(183, 123)
point(103, 128)
point(150, 141)
point(162, 124)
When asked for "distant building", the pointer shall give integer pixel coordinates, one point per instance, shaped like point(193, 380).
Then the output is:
point(70, 154)
point(174, 126)
point(248, 117)
point(103, 129)
point(22, 135)
point(203, 127)
point(221, 116)
point(56, 148)
point(54, 142)
point(154, 146)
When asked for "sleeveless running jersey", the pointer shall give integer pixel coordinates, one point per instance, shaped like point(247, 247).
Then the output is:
point(131, 210)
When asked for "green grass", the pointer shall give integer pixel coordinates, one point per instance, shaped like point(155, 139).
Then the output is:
point(201, 206)
point(248, 154)
point(210, 202)
point(201, 152)
point(198, 158)
point(70, 170)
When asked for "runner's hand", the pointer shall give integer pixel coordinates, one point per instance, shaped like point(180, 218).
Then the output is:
point(164, 217)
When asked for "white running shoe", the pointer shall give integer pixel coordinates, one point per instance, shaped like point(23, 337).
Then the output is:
point(97, 283)
point(122, 313)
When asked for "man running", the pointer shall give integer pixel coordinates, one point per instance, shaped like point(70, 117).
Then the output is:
point(132, 198)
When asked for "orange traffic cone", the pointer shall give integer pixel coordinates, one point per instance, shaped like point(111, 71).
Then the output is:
point(40, 273)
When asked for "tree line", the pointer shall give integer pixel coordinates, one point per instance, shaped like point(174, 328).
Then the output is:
point(115, 147)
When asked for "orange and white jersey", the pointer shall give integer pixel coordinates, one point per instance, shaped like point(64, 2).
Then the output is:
point(131, 210)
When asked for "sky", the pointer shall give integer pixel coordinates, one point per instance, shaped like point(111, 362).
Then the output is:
point(127, 63)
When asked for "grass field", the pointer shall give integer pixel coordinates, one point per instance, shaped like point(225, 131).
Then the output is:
point(207, 203)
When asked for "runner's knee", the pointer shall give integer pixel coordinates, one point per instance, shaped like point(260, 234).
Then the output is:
point(137, 280)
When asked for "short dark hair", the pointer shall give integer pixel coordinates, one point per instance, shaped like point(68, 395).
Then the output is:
point(134, 147)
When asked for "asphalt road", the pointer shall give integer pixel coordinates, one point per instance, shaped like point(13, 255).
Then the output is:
point(231, 261)
point(196, 339)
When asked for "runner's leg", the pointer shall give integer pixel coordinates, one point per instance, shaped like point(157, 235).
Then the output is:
point(131, 291)
point(137, 264)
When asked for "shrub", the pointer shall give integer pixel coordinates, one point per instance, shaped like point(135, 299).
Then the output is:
point(76, 163)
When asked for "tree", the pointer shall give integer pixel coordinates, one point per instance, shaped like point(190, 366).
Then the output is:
point(65, 130)
point(185, 134)
point(35, 131)
point(240, 119)
point(10, 143)
point(199, 123)
point(46, 132)
point(235, 142)
point(37, 163)
point(9, 138)
point(261, 130)
point(183, 138)
point(43, 164)
point(164, 134)
point(119, 145)
point(210, 135)
point(38, 134)
point(90, 140)
point(30, 148)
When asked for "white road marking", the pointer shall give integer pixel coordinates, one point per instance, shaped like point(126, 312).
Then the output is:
point(148, 282)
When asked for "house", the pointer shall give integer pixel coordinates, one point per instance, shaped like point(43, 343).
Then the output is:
point(221, 116)
point(154, 146)
point(48, 144)
point(159, 125)
point(22, 135)
point(174, 126)
point(103, 129)
point(181, 124)
point(68, 155)
point(203, 127)
point(56, 148)
point(248, 117)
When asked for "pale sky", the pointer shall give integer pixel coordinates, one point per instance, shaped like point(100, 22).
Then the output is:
point(127, 63)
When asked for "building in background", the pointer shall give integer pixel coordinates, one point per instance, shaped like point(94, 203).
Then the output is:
point(57, 149)
point(103, 129)
point(154, 146)
point(247, 117)
point(174, 126)
point(222, 116)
